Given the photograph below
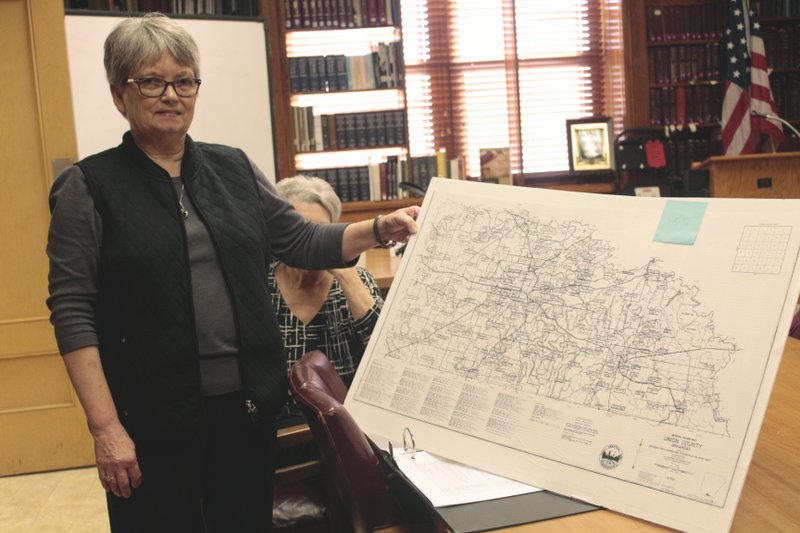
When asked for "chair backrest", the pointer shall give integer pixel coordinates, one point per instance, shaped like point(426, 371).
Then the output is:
point(347, 455)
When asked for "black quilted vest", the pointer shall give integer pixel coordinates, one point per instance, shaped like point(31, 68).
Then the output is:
point(145, 318)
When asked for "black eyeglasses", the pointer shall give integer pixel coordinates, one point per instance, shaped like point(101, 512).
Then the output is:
point(156, 87)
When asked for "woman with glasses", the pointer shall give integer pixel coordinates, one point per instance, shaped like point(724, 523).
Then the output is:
point(162, 312)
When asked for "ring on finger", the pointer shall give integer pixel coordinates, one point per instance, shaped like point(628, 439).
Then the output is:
point(111, 477)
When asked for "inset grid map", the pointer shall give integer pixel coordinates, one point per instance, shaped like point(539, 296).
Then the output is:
point(762, 249)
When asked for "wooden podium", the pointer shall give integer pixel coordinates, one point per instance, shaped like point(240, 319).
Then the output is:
point(754, 176)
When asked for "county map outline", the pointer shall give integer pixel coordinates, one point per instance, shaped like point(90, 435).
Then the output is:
point(541, 307)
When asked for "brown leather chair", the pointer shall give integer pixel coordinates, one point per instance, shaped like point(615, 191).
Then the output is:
point(348, 457)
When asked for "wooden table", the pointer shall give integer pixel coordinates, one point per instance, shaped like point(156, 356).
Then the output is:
point(770, 499)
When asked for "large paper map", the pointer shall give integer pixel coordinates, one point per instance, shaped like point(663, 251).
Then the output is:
point(549, 337)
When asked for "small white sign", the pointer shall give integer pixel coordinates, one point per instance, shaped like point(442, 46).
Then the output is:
point(653, 192)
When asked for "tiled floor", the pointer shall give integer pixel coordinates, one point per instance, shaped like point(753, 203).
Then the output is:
point(68, 501)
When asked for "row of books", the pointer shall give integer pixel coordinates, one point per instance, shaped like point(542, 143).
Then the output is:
point(697, 104)
point(682, 22)
point(675, 176)
point(425, 167)
point(347, 131)
point(245, 8)
point(325, 14)
point(684, 63)
point(381, 180)
point(782, 45)
point(380, 69)
point(786, 90)
point(778, 8)
point(374, 182)
point(681, 153)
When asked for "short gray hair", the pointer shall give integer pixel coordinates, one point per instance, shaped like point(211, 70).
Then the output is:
point(313, 190)
point(141, 41)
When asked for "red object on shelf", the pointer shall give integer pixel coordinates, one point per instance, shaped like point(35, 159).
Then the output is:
point(654, 149)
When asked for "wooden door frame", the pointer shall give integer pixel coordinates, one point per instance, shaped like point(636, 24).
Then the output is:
point(40, 432)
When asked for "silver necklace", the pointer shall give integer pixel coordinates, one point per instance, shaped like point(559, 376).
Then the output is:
point(184, 212)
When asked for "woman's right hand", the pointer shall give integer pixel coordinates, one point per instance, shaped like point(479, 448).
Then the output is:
point(117, 464)
point(114, 450)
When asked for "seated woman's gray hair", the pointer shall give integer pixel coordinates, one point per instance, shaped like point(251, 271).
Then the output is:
point(143, 41)
point(310, 189)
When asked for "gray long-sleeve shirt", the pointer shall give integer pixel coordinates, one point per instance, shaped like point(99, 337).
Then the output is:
point(74, 241)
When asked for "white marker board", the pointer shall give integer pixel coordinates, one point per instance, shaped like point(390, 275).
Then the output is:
point(233, 105)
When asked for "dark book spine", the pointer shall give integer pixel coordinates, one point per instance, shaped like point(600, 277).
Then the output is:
point(370, 127)
point(673, 64)
point(391, 172)
point(384, 180)
point(381, 15)
point(331, 76)
point(655, 107)
point(334, 180)
point(350, 134)
point(413, 171)
point(362, 180)
point(341, 72)
point(310, 138)
point(381, 137)
point(652, 19)
point(373, 11)
point(332, 129)
point(294, 81)
point(313, 74)
point(298, 17)
point(313, 13)
point(652, 65)
point(349, 13)
point(288, 17)
point(323, 125)
point(360, 126)
point(302, 74)
point(341, 13)
point(680, 105)
point(340, 133)
point(401, 133)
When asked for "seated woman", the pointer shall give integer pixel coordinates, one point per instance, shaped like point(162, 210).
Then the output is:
point(329, 310)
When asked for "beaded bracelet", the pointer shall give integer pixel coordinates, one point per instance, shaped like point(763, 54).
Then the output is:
point(381, 242)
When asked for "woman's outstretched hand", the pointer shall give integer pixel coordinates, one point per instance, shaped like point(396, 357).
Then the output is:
point(399, 225)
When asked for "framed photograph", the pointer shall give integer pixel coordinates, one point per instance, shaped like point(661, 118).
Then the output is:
point(589, 142)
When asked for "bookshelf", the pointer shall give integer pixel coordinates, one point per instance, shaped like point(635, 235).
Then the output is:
point(780, 22)
point(344, 99)
point(674, 87)
point(242, 8)
point(674, 76)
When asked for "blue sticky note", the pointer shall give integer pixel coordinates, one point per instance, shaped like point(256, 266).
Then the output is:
point(680, 222)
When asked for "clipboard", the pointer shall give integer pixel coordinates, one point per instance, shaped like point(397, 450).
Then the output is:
point(476, 516)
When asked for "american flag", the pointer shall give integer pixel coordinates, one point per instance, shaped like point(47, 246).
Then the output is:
point(746, 84)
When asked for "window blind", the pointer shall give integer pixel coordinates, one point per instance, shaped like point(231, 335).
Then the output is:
point(497, 73)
